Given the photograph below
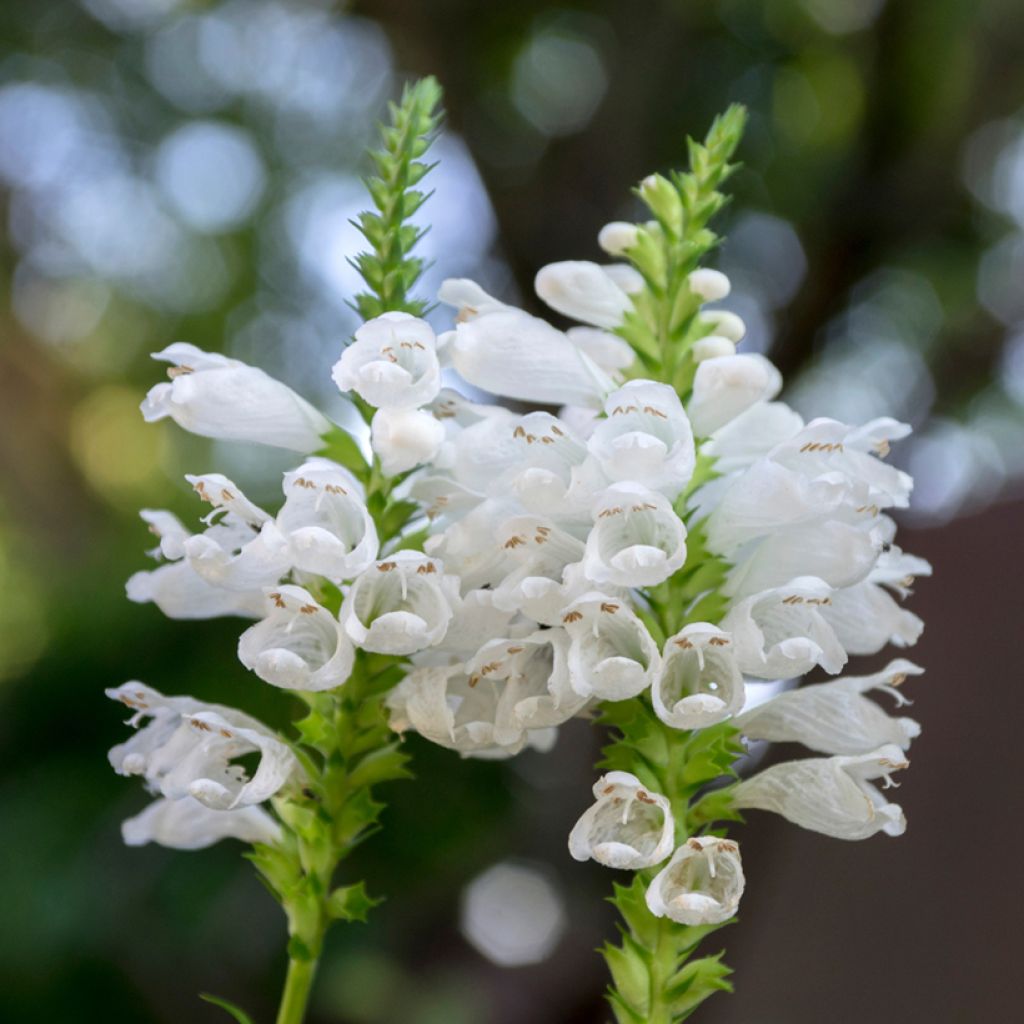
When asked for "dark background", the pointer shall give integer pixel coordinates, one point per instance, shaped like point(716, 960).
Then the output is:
point(877, 253)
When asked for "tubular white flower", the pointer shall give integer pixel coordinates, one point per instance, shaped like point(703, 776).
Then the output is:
point(835, 717)
point(400, 605)
point(188, 749)
point(508, 352)
point(726, 386)
point(535, 673)
point(392, 363)
point(469, 299)
point(865, 618)
point(169, 530)
point(186, 824)
point(299, 645)
point(637, 539)
point(404, 438)
point(724, 323)
point(230, 555)
point(628, 826)
point(710, 285)
point(612, 655)
point(700, 683)
point(214, 396)
point(445, 706)
point(752, 435)
point(617, 237)
point(782, 632)
point(325, 521)
point(646, 437)
point(832, 795)
point(582, 291)
point(221, 493)
point(839, 553)
point(701, 884)
point(180, 593)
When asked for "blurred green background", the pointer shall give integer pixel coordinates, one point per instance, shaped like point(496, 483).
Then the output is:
point(174, 170)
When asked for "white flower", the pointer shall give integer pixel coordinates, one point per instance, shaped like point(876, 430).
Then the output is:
point(214, 396)
point(325, 521)
point(710, 285)
point(726, 386)
point(186, 824)
point(189, 748)
point(637, 539)
point(392, 363)
point(232, 555)
point(404, 438)
point(700, 683)
point(618, 236)
point(535, 672)
point(833, 795)
point(752, 435)
point(180, 593)
point(628, 827)
point(400, 605)
point(835, 717)
point(712, 346)
point(583, 291)
point(612, 656)
point(444, 705)
point(782, 632)
point(608, 351)
point(865, 618)
point(170, 532)
point(220, 492)
point(723, 323)
point(645, 438)
point(701, 884)
point(299, 645)
point(508, 352)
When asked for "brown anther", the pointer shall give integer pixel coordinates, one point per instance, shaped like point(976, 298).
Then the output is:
point(201, 725)
point(308, 609)
point(655, 412)
point(530, 438)
point(179, 371)
point(491, 666)
point(608, 790)
point(386, 566)
point(718, 641)
point(335, 489)
point(898, 679)
point(694, 844)
point(405, 344)
point(426, 569)
point(473, 680)
point(226, 495)
point(464, 314)
point(727, 846)
point(607, 606)
point(514, 650)
point(684, 644)
point(224, 732)
point(547, 440)
point(644, 798)
point(277, 599)
point(572, 617)
point(545, 530)
point(422, 348)
point(557, 431)
point(514, 542)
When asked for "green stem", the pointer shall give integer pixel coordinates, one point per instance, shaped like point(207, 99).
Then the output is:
point(297, 986)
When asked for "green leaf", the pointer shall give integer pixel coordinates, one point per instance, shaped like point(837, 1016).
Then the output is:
point(240, 1015)
point(351, 903)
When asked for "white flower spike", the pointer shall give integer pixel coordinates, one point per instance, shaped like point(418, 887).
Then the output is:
point(583, 291)
point(214, 396)
point(700, 683)
point(701, 884)
point(628, 827)
point(299, 645)
point(832, 795)
point(392, 363)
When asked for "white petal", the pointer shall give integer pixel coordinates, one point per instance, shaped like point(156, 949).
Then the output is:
point(701, 884)
point(404, 438)
point(584, 292)
point(180, 593)
point(727, 386)
point(186, 824)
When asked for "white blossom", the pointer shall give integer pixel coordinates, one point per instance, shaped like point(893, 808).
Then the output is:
point(400, 604)
point(701, 884)
point(710, 285)
point(583, 291)
point(637, 539)
point(700, 683)
point(608, 351)
point(189, 748)
point(865, 618)
point(180, 593)
point(833, 795)
point(618, 236)
point(392, 363)
point(214, 396)
point(783, 632)
point(628, 827)
point(612, 655)
point(325, 522)
point(404, 438)
point(835, 717)
point(187, 824)
point(448, 707)
point(646, 438)
point(712, 346)
point(723, 323)
point(299, 645)
point(728, 385)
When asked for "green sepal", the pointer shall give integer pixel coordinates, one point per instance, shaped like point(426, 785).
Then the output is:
point(341, 447)
point(239, 1014)
point(694, 982)
point(351, 903)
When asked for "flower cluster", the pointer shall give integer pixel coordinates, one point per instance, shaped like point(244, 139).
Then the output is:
point(655, 545)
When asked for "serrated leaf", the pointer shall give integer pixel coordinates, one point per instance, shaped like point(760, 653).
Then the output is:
point(240, 1015)
point(351, 903)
